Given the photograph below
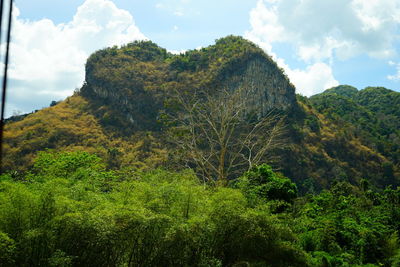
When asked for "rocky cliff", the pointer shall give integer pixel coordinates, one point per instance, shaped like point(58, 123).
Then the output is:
point(137, 79)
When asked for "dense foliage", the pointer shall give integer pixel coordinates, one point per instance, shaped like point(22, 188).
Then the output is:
point(372, 116)
point(68, 210)
point(373, 112)
point(108, 187)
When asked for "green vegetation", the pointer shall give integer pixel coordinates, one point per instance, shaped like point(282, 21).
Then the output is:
point(68, 210)
point(123, 173)
point(371, 116)
point(71, 126)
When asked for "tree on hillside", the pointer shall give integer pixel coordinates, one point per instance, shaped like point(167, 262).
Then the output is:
point(222, 134)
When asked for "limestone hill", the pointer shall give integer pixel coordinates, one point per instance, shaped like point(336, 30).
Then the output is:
point(118, 114)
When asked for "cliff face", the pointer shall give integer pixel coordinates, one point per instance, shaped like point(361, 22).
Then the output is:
point(137, 79)
point(268, 89)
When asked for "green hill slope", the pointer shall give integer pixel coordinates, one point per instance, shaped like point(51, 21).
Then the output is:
point(370, 118)
point(374, 115)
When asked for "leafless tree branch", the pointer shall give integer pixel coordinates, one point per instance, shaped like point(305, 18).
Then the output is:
point(220, 135)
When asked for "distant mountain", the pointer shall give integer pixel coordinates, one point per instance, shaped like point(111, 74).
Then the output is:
point(341, 134)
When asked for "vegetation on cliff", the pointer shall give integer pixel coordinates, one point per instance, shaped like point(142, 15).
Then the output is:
point(137, 79)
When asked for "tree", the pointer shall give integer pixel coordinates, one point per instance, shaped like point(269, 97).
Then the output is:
point(224, 133)
point(7, 250)
point(261, 183)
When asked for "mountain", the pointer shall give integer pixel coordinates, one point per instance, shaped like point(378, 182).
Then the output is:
point(126, 89)
point(341, 134)
point(136, 80)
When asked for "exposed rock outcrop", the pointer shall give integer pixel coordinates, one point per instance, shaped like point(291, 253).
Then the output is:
point(136, 79)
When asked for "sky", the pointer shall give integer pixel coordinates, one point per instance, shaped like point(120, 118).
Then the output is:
point(319, 44)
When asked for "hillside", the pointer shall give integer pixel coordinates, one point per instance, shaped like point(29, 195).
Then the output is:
point(373, 112)
point(71, 126)
point(344, 137)
point(119, 114)
point(370, 116)
point(126, 93)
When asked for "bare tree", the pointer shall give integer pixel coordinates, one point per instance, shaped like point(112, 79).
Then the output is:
point(220, 135)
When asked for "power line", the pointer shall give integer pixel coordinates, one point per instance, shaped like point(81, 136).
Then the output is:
point(4, 89)
point(1, 17)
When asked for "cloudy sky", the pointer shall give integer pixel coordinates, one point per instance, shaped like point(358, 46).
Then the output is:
point(319, 44)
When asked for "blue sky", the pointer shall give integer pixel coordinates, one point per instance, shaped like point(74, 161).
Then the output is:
point(319, 44)
point(199, 22)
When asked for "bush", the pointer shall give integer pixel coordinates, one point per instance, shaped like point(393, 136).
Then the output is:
point(261, 182)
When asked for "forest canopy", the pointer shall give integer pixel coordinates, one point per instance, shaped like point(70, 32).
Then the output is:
point(69, 210)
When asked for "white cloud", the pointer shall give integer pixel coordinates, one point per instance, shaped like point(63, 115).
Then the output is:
point(314, 79)
point(178, 13)
point(396, 76)
point(47, 59)
point(321, 31)
point(177, 8)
